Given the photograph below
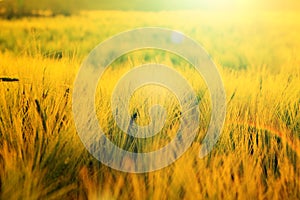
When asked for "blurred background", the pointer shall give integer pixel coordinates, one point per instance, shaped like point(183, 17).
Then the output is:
point(16, 8)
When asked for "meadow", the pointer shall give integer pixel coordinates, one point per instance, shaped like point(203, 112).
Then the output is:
point(256, 157)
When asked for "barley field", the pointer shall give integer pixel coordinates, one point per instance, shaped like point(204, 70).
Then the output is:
point(256, 157)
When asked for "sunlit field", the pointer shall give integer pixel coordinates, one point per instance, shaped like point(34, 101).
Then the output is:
point(256, 157)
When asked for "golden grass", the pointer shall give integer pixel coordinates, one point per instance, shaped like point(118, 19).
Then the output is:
point(257, 156)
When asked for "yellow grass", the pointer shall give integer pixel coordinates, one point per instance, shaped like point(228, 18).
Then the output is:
point(257, 156)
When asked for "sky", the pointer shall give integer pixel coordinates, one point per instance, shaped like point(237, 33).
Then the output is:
point(192, 4)
point(149, 5)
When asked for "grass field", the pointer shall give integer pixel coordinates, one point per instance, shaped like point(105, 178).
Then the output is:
point(257, 156)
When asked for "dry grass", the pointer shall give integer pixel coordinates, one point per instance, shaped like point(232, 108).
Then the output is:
point(257, 156)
